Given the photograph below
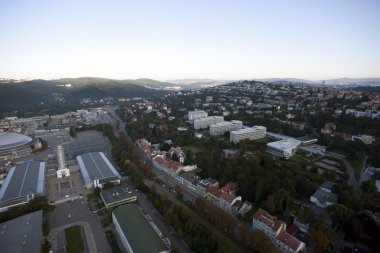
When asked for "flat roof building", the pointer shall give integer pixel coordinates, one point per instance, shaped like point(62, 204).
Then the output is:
point(23, 182)
point(284, 148)
point(324, 196)
point(117, 196)
point(137, 234)
point(206, 122)
point(221, 128)
point(251, 133)
point(96, 169)
point(193, 115)
point(23, 234)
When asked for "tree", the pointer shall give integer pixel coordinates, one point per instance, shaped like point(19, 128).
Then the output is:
point(260, 243)
point(320, 239)
point(369, 186)
point(340, 213)
point(178, 192)
point(97, 191)
point(72, 132)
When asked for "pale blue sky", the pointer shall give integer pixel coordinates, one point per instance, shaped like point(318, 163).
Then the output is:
point(190, 39)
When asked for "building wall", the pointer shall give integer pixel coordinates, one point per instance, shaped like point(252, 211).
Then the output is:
point(247, 133)
point(221, 128)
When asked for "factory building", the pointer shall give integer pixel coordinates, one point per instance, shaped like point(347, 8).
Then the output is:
point(137, 234)
point(96, 170)
point(22, 234)
point(23, 182)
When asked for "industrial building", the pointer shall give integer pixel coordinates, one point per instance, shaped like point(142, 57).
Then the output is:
point(137, 234)
point(14, 145)
point(221, 128)
point(23, 182)
point(22, 234)
point(193, 115)
point(252, 133)
point(96, 170)
point(284, 148)
point(206, 122)
point(117, 196)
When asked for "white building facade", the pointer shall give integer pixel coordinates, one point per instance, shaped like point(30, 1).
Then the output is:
point(193, 115)
point(221, 128)
point(252, 133)
point(206, 122)
point(284, 148)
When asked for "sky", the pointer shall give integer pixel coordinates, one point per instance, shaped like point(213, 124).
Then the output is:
point(181, 39)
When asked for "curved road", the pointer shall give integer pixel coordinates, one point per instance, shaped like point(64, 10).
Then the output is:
point(87, 231)
point(351, 175)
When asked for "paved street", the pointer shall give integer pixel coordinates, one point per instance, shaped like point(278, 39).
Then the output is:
point(167, 230)
point(350, 170)
point(72, 212)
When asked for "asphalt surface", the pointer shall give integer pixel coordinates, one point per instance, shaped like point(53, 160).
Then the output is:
point(351, 175)
point(73, 212)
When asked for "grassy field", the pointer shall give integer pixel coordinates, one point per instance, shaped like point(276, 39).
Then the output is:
point(74, 240)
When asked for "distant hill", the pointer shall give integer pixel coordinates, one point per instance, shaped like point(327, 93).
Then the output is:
point(41, 94)
point(339, 81)
point(149, 83)
point(196, 83)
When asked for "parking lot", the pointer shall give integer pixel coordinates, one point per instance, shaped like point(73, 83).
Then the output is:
point(87, 141)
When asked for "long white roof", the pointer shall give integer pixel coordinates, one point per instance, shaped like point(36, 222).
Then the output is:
point(13, 140)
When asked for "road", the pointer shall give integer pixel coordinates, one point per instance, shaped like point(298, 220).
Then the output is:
point(58, 240)
point(166, 229)
point(72, 212)
point(351, 175)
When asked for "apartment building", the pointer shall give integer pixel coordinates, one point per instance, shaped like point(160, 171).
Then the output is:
point(268, 224)
point(252, 133)
point(193, 115)
point(221, 128)
point(206, 122)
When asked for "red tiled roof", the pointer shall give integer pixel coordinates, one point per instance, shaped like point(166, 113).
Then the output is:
point(289, 240)
point(268, 220)
point(229, 187)
point(292, 229)
point(173, 165)
point(214, 191)
point(228, 197)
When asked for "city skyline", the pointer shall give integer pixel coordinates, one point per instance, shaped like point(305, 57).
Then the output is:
point(179, 40)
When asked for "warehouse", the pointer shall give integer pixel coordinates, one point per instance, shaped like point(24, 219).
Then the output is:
point(136, 232)
point(23, 182)
point(22, 234)
point(117, 196)
point(284, 148)
point(96, 170)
